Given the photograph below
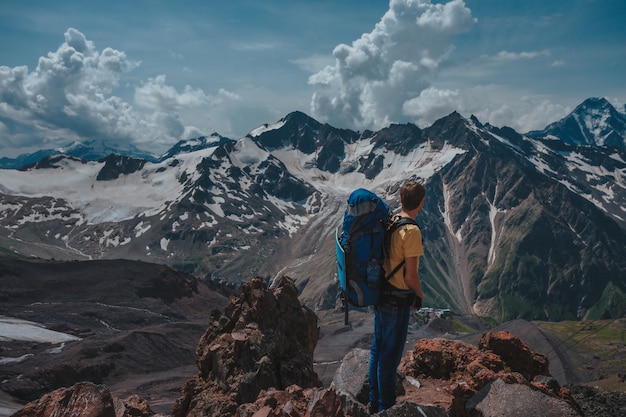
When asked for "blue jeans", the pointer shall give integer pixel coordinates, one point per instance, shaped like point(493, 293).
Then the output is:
point(391, 325)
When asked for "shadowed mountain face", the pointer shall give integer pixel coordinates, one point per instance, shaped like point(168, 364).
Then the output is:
point(522, 244)
point(514, 226)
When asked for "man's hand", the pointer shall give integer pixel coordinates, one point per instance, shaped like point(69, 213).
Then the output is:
point(417, 304)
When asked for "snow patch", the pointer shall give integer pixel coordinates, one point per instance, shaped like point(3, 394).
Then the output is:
point(147, 191)
point(247, 152)
point(140, 228)
point(28, 331)
point(493, 213)
point(446, 214)
point(266, 128)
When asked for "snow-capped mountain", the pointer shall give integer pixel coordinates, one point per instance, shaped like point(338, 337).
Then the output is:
point(594, 122)
point(187, 146)
point(513, 226)
point(92, 150)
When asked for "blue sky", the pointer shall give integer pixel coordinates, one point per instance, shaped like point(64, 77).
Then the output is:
point(153, 72)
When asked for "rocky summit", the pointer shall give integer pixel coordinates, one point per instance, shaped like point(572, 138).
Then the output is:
point(265, 339)
point(256, 359)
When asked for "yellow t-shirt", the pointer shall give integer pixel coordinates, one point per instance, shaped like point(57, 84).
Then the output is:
point(406, 242)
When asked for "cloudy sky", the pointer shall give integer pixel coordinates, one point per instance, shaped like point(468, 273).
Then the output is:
point(151, 72)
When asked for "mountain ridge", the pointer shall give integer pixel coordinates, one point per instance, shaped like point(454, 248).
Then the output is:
point(92, 150)
point(514, 226)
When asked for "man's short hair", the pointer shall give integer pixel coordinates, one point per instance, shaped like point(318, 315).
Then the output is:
point(411, 195)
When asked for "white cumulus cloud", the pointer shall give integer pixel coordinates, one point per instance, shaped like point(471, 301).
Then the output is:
point(377, 79)
point(71, 95)
point(157, 95)
point(521, 112)
point(515, 56)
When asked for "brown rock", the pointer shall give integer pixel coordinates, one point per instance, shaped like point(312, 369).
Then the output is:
point(83, 399)
point(451, 360)
point(133, 406)
point(453, 372)
point(325, 403)
point(294, 401)
point(265, 339)
point(515, 354)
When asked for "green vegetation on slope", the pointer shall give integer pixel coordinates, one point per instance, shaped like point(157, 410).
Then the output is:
point(598, 349)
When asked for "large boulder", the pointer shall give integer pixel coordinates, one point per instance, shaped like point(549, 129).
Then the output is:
point(351, 379)
point(86, 400)
point(264, 339)
point(351, 382)
point(515, 354)
point(452, 373)
point(516, 400)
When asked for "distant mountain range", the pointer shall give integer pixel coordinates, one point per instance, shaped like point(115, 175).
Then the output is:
point(515, 225)
point(97, 151)
point(87, 151)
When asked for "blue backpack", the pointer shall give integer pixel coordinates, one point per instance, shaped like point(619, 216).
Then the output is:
point(362, 247)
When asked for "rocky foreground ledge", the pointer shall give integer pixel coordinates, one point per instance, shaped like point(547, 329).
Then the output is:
point(256, 360)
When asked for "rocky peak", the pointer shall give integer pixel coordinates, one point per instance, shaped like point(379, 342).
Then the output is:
point(399, 138)
point(453, 129)
point(301, 119)
point(116, 165)
point(191, 145)
point(594, 104)
point(594, 122)
point(296, 129)
point(52, 161)
point(264, 339)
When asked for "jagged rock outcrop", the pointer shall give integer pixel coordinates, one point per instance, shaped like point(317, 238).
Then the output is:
point(86, 400)
point(264, 339)
point(515, 354)
point(467, 369)
point(441, 377)
point(116, 166)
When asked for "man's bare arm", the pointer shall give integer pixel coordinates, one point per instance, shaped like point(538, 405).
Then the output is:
point(411, 278)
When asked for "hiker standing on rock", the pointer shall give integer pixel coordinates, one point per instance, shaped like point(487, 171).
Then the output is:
point(402, 291)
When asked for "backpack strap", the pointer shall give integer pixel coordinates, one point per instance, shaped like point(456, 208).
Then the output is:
point(396, 269)
point(396, 223)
